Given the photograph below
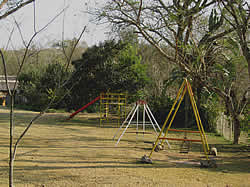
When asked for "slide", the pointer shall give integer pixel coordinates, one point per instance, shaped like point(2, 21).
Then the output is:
point(85, 106)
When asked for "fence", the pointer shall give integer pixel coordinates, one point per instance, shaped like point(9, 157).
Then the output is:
point(224, 127)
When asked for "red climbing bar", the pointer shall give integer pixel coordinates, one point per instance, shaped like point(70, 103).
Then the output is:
point(181, 139)
point(177, 130)
point(85, 106)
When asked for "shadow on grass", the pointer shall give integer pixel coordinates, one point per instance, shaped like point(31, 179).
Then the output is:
point(228, 165)
point(108, 164)
point(232, 167)
point(94, 122)
point(231, 148)
point(222, 167)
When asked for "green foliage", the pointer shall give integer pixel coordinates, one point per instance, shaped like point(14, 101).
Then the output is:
point(12, 63)
point(39, 87)
point(111, 66)
point(28, 86)
point(209, 110)
point(244, 123)
point(161, 106)
point(214, 21)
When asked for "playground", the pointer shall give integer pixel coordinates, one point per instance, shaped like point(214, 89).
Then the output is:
point(78, 152)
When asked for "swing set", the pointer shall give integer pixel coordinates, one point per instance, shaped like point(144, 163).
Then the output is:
point(185, 87)
point(133, 119)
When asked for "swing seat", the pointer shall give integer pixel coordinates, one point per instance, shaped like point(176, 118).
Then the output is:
point(185, 146)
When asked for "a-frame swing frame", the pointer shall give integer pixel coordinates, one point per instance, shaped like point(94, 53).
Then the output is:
point(185, 87)
point(135, 111)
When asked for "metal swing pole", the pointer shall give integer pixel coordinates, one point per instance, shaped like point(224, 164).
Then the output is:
point(198, 121)
point(152, 122)
point(143, 122)
point(151, 115)
point(165, 123)
point(137, 118)
point(127, 125)
point(176, 110)
point(124, 121)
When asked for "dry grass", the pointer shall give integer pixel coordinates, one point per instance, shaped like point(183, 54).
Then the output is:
point(80, 153)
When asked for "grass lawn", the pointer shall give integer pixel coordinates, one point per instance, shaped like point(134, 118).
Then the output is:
point(78, 152)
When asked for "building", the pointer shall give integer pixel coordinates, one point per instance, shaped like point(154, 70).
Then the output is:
point(4, 95)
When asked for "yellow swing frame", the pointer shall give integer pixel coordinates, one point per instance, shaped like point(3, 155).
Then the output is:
point(180, 95)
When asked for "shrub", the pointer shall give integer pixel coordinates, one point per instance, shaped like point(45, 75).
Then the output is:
point(39, 86)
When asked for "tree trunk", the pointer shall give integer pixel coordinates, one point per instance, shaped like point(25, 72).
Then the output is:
point(244, 47)
point(198, 93)
point(11, 158)
point(236, 125)
point(231, 103)
point(247, 56)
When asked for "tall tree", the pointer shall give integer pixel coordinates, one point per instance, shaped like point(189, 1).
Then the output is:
point(110, 66)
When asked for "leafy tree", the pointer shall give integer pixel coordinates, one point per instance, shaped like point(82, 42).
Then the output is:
point(110, 66)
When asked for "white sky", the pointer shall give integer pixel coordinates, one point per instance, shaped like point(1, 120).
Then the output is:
point(75, 20)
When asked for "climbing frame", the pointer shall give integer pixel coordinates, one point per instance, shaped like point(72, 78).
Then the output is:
point(112, 107)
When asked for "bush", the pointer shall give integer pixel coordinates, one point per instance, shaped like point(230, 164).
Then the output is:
point(162, 105)
point(39, 86)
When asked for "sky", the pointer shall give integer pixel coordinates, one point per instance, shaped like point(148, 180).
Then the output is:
point(75, 20)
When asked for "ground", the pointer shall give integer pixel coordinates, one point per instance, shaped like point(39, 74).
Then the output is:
point(79, 152)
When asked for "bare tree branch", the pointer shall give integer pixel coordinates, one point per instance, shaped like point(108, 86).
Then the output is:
point(15, 9)
point(139, 12)
point(30, 42)
point(20, 32)
point(73, 49)
point(9, 39)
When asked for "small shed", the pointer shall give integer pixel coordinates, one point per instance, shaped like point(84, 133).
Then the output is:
point(3, 89)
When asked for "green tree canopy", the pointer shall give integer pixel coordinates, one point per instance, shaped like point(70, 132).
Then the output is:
point(110, 66)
